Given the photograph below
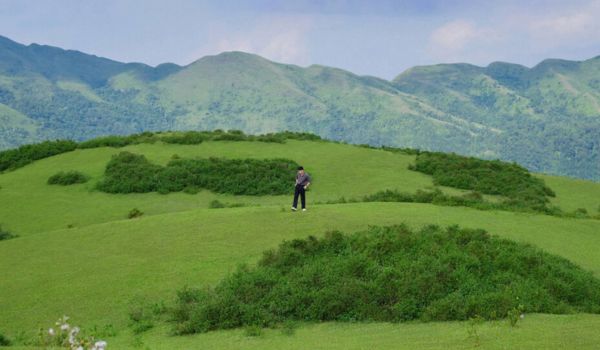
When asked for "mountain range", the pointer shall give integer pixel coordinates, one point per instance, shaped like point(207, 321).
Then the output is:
point(546, 118)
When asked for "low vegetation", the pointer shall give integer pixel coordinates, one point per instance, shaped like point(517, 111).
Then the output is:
point(19, 157)
point(134, 213)
point(4, 341)
point(391, 274)
point(490, 177)
point(120, 140)
point(16, 158)
point(128, 172)
point(4, 235)
point(67, 178)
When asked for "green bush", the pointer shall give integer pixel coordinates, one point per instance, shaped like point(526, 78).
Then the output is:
point(128, 172)
point(490, 177)
point(119, 140)
point(134, 213)
point(4, 235)
point(19, 157)
point(390, 274)
point(67, 178)
point(4, 341)
point(186, 138)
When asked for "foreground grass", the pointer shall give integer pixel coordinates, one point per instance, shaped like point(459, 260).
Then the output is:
point(92, 273)
point(534, 332)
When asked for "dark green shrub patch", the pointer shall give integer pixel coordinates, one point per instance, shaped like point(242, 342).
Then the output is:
point(470, 199)
point(490, 177)
point(134, 213)
point(390, 274)
point(128, 172)
point(19, 157)
point(26, 154)
point(120, 140)
point(186, 138)
point(4, 235)
point(67, 178)
point(4, 341)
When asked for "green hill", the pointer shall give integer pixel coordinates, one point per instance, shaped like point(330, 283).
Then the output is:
point(545, 118)
point(77, 253)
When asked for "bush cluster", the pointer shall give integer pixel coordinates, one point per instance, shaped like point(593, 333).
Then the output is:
point(19, 157)
point(128, 172)
point(390, 274)
point(26, 154)
point(67, 178)
point(471, 199)
point(485, 176)
point(120, 140)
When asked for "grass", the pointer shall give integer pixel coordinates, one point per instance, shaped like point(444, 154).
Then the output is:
point(338, 170)
point(92, 271)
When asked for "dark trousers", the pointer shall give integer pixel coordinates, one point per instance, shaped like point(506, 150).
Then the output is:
point(300, 191)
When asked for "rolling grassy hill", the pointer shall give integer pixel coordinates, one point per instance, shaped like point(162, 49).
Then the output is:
point(93, 270)
point(545, 118)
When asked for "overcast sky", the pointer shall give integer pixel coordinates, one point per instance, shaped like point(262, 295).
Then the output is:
point(380, 38)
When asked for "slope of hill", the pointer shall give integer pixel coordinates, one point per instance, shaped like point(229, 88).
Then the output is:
point(546, 117)
point(77, 254)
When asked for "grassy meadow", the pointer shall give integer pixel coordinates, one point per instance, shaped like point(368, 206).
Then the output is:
point(78, 254)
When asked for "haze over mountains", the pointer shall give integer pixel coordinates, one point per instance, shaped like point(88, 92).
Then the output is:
point(546, 118)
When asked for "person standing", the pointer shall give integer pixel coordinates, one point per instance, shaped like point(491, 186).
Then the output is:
point(302, 183)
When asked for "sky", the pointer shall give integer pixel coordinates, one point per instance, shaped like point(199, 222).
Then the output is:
point(379, 38)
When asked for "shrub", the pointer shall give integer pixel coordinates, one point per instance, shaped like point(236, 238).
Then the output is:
point(119, 140)
point(134, 213)
point(390, 274)
point(490, 177)
point(186, 138)
point(19, 157)
point(67, 178)
point(4, 235)
point(4, 341)
point(128, 172)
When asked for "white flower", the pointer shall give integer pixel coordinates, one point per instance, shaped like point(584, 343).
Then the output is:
point(64, 327)
point(51, 331)
point(100, 345)
point(522, 316)
point(80, 348)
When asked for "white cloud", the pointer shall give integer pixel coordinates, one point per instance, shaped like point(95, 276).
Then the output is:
point(556, 29)
point(282, 39)
point(453, 35)
point(462, 40)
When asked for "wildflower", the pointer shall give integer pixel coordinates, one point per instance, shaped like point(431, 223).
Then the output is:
point(522, 316)
point(64, 327)
point(100, 345)
point(51, 332)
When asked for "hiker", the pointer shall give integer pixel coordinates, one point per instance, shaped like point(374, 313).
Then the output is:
point(302, 183)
